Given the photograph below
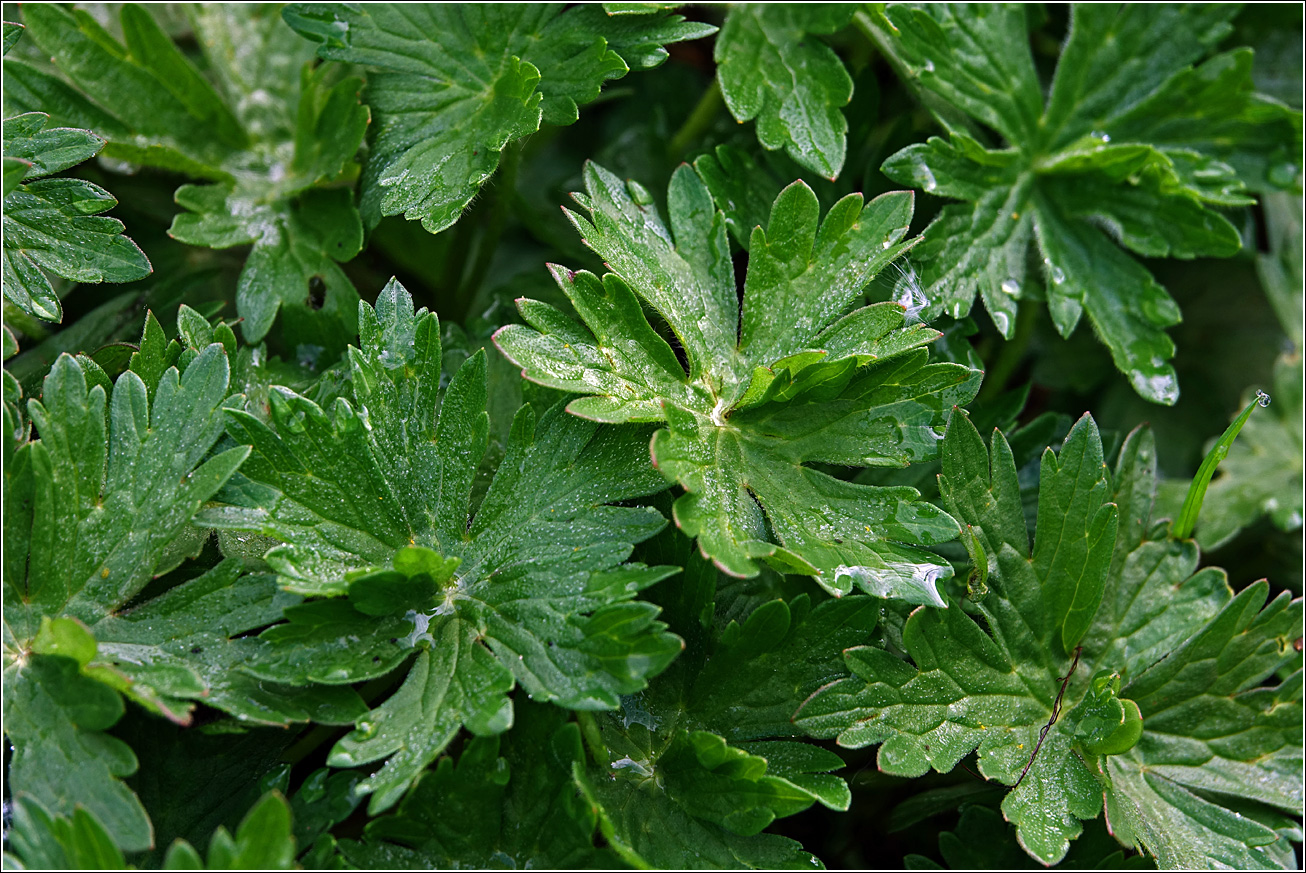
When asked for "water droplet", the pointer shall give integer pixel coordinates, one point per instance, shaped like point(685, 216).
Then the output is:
point(1283, 175)
point(1262, 399)
point(1054, 272)
point(1097, 134)
point(1011, 288)
point(928, 67)
point(366, 729)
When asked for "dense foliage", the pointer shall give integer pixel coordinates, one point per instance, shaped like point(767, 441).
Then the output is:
point(362, 509)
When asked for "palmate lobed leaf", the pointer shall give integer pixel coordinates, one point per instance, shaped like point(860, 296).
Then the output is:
point(262, 135)
point(453, 85)
point(687, 773)
point(772, 67)
point(700, 764)
point(373, 506)
point(1190, 656)
point(684, 775)
point(40, 841)
point(92, 511)
point(795, 378)
point(1134, 148)
point(54, 225)
point(508, 800)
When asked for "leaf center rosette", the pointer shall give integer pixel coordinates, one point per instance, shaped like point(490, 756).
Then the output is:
point(373, 504)
point(802, 373)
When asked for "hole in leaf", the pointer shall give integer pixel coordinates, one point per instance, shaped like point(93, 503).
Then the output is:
point(316, 293)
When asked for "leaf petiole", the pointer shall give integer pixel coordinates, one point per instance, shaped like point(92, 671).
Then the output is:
point(700, 117)
point(589, 731)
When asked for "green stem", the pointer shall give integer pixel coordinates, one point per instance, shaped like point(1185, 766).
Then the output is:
point(862, 22)
point(700, 118)
point(305, 745)
point(589, 731)
point(455, 266)
point(1011, 355)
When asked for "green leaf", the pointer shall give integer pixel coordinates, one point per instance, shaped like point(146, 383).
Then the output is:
point(1076, 531)
point(55, 718)
point(1191, 659)
point(47, 151)
point(296, 244)
point(1107, 724)
point(93, 508)
point(14, 170)
point(1281, 270)
point(145, 88)
point(267, 136)
point(647, 830)
point(107, 504)
point(800, 376)
point(1203, 704)
point(507, 800)
point(1134, 148)
point(53, 225)
point(681, 799)
point(372, 505)
point(707, 751)
point(759, 667)
point(154, 355)
point(12, 33)
point(773, 68)
point(262, 842)
point(1182, 527)
point(44, 842)
point(519, 804)
point(186, 646)
point(323, 800)
point(742, 189)
point(1262, 473)
point(455, 84)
